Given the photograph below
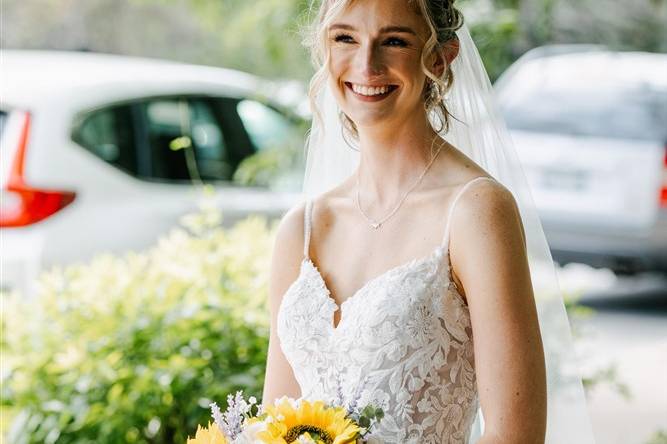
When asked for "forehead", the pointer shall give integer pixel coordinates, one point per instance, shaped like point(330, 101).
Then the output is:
point(371, 15)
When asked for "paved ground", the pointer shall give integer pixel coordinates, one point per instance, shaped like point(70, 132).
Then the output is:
point(628, 329)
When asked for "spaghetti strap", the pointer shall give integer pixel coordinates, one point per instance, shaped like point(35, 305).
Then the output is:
point(445, 238)
point(306, 225)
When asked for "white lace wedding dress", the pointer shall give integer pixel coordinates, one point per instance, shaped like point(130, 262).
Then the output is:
point(404, 342)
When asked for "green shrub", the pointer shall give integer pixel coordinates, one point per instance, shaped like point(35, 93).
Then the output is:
point(133, 348)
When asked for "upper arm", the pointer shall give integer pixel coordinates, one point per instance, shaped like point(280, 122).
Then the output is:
point(488, 254)
point(285, 266)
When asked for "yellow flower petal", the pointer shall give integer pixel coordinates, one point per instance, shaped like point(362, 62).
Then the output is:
point(209, 435)
point(289, 422)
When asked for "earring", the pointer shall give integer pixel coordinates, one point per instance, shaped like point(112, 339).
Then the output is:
point(429, 99)
point(435, 93)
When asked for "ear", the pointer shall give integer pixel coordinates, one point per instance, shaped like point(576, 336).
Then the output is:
point(451, 50)
point(444, 56)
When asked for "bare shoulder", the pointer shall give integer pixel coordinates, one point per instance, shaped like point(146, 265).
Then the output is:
point(489, 208)
point(486, 232)
point(287, 252)
point(485, 198)
point(289, 235)
point(483, 201)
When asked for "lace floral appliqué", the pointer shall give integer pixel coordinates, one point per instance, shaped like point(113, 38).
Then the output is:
point(409, 350)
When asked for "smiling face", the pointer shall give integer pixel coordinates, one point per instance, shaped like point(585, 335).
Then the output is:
point(375, 61)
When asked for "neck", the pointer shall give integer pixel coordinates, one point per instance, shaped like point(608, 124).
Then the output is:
point(392, 159)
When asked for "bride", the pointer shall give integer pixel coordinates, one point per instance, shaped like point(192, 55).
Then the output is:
point(404, 278)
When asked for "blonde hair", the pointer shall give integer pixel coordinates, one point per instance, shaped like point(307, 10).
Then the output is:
point(443, 20)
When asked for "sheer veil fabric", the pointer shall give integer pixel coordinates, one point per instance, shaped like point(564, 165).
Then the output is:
point(479, 131)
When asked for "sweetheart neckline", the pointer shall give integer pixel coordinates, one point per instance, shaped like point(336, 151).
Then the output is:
point(436, 252)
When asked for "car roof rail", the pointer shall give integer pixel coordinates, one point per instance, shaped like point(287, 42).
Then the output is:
point(559, 49)
point(554, 50)
point(547, 51)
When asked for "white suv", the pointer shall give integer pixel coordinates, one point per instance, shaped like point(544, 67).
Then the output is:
point(590, 126)
point(98, 152)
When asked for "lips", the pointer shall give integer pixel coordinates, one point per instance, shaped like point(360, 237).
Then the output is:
point(371, 92)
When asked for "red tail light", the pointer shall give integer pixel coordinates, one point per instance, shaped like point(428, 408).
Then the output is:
point(22, 204)
point(663, 187)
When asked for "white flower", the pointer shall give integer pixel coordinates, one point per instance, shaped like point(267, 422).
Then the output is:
point(249, 433)
point(295, 403)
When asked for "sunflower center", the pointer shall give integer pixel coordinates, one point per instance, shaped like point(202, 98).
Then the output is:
point(314, 431)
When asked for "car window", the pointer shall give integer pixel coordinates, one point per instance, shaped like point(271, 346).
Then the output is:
point(266, 127)
point(637, 112)
point(109, 134)
point(181, 139)
point(186, 140)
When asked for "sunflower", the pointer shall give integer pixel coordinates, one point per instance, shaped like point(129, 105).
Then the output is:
point(321, 424)
point(210, 435)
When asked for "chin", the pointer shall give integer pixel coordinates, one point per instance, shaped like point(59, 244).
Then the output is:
point(368, 120)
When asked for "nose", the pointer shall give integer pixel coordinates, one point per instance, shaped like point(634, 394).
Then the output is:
point(370, 60)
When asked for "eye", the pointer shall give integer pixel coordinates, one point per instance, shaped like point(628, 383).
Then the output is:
point(395, 41)
point(344, 38)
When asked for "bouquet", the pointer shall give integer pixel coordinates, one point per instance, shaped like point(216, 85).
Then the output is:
point(288, 421)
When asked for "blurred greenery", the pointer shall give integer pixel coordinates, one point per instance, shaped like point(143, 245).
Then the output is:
point(264, 36)
point(659, 437)
point(494, 33)
point(133, 348)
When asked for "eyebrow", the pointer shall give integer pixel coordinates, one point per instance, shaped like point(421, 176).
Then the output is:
point(385, 30)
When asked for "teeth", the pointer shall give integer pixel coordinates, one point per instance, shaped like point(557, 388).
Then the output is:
point(369, 90)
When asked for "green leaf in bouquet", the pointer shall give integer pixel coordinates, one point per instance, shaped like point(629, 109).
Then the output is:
point(364, 421)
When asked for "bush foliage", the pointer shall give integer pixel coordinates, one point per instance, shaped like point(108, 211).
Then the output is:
point(133, 348)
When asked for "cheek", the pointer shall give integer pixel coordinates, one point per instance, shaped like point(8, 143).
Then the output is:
point(339, 63)
point(409, 67)
point(414, 81)
point(337, 69)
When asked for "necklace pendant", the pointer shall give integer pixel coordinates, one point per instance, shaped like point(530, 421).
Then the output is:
point(376, 225)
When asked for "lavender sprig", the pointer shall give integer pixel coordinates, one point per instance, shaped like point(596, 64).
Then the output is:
point(218, 419)
point(367, 417)
point(231, 422)
point(352, 405)
point(338, 399)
